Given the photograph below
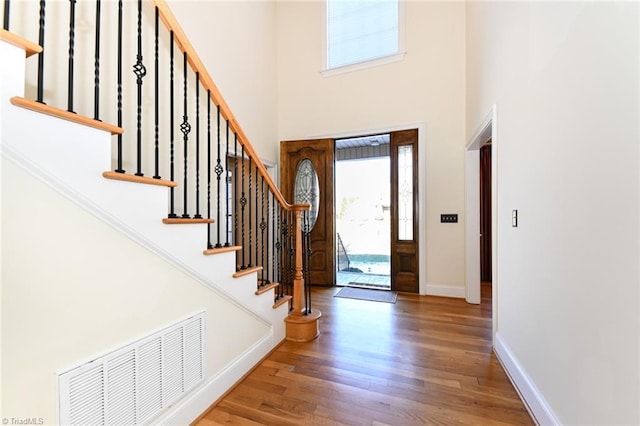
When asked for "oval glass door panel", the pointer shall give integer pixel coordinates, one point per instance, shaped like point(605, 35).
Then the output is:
point(307, 190)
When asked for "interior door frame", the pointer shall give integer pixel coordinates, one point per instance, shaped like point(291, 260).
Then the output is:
point(486, 131)
point(422, 185)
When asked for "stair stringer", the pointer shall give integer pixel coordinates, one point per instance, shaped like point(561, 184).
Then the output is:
point(71, 158)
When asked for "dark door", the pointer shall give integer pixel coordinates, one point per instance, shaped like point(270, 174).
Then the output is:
point(485, 213)
point(322, 237)
point(404, 211)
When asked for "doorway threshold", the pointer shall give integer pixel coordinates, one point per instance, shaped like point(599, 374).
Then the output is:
point(364, 280)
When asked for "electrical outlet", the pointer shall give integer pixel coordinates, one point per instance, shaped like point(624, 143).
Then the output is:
point(449, 218)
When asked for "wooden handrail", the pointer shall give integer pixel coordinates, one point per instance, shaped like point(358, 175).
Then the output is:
point(185, 46)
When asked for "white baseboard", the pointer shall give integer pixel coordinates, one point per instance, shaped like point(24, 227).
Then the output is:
point(199, 400)
point(529, 393)
point(446, 290)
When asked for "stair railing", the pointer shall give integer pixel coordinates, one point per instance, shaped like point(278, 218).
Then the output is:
point(188, 132)
point(342, 254)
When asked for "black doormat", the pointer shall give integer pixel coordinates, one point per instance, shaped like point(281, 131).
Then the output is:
point(367, 294)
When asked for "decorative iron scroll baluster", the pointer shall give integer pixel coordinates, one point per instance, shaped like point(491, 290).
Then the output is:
point(243, 203)
point(263, 226)
point(185, 128)
point(140, 71)
point(218, 171)
point(172, 211)
point(278, 251)
point(96, 68)
point(72, 41)
point(41, 23)
point(291, 252)
point(119, 168)
point(5, 21)
point(284, 271)
point(235, 198)
point(197, 215)
point(256, 214)
point(274, 228)
point(226, 184)
point(156, 122)
point(250, 249)
point(209, 244)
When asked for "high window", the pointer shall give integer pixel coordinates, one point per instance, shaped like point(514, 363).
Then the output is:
point(361, 30)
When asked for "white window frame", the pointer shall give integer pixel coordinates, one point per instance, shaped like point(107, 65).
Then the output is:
point(327, 72)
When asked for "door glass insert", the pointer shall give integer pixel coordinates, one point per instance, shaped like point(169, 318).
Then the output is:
point(405, 192)
point(306, 189)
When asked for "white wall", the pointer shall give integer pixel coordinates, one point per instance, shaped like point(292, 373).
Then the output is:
point(426, 87)
point(564, 77)
point(73, 288)
point(236, 41)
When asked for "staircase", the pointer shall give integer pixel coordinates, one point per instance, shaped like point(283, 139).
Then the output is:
point(218, 226)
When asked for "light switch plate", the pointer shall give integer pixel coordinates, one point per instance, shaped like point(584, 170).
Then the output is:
point(514, 218)
point(449, 218)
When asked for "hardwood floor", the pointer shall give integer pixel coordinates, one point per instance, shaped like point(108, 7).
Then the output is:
point(423, 360)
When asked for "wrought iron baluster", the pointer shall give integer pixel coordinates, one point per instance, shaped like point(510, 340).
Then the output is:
point(119, 168)
point(156, 122)
point(235, 198)
point(306, 247)
point(41, 23)
point(257, 207)
point(185, 128)
point(228, 203)
point(285, 249)
point(218, 171)
point(243, 203)
point(209, 244)
point(140, 71)
point(5, 21)
point(72, 41)
point(235, 189)
point(278, 253)
point(250, 249)
point(172, 205)
point(197, 215)
point(96, 67)
point(274, 229)
point(291, 252)
point(263, 226)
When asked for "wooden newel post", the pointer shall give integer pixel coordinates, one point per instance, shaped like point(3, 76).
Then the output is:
point(298, 277)
point(301, 326)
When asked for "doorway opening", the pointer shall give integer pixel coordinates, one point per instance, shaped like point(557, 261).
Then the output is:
point(485, 220)
point(363, 212)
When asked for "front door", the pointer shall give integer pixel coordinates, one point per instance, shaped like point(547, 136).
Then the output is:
point(322, 237)
point(404, 211)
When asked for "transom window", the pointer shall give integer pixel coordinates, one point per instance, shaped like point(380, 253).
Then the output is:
point(361, 30)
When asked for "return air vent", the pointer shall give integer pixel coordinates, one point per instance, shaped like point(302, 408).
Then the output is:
point(133, 384)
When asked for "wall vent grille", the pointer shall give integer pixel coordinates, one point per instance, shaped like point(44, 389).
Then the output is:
point(133, 384)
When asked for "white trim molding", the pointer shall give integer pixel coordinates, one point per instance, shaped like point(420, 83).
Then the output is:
point(446, 290)
point(529, 393)
point(199, 400)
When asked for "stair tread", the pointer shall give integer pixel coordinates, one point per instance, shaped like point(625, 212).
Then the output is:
point(281, 301)
point(247, 271)
point(266, 287)
point(65, 115)
point(29, 47)
point(183, 220)
point(218, 250)
point(138, 179)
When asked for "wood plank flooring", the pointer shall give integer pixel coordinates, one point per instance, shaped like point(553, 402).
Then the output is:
point(422, 360)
